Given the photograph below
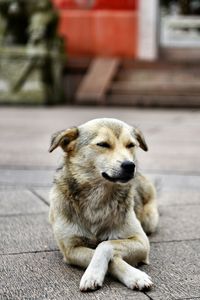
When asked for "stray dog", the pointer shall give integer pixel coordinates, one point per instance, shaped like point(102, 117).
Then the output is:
point(100, 205)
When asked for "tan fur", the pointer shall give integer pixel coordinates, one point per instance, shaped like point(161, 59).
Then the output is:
point(94, 216)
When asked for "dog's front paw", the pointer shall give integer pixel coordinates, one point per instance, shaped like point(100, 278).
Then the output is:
point(91, 280)
point(138, 280)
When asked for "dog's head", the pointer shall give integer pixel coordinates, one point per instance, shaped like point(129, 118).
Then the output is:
point(101, 149)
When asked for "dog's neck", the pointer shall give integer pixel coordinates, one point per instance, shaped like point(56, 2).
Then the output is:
point(100, 189)
point(99, 206)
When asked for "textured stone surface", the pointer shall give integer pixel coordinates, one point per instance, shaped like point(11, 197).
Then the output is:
point(26, 234)
point(20, 202)
point(167, 132)
point(178, 197)
point(175, 270)
point(178, 223)
point(42, 193)
point(46, 276)
point(32, 268)
point(175, 181)
point(26, 178)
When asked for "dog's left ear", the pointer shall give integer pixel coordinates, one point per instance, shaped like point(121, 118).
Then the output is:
point(140, 138)
point(63, 138)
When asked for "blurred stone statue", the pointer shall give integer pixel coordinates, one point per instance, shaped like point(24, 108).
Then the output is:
point(43, 24)
point(30, 27)
point(14, 21)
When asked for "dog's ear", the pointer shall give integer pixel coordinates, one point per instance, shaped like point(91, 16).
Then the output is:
point(140, 138)
point(63, 138)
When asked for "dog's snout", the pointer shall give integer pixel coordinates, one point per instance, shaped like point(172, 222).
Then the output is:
point(128, 166)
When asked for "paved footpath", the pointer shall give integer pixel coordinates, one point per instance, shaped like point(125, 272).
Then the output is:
point(31, 266)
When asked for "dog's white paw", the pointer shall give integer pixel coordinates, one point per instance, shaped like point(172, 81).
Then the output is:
point(138, 280)
point(91, 281)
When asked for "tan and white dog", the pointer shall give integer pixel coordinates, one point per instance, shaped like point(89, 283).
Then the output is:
point(100, 205)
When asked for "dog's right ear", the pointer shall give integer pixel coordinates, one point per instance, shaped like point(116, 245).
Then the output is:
point(63, 138)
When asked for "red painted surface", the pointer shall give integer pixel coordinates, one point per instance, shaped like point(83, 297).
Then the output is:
point(101, 30)
point(96, 4)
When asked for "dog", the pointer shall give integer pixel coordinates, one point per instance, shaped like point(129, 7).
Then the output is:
point(101, 207)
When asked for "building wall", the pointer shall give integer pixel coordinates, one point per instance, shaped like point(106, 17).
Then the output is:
point(99, 27)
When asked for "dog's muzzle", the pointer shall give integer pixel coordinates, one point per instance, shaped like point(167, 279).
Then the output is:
point(126, 173)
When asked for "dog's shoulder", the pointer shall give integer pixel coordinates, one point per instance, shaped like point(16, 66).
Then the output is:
point(60, 194)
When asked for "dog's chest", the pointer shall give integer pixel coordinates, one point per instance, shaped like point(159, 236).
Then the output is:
point(102, 210)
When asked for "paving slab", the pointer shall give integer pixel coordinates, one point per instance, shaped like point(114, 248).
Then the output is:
point(24, 177)
point(177, 197)
point(174, 181)
point(175, 271)
point(178, 223)
point(25, 142)
point(20, 202)
point(43, 193)
point(162, 156)
point(46, 276)
point(27, 233)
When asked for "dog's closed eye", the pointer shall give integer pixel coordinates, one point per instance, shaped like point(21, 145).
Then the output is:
point(103, 145)
point(130, 145)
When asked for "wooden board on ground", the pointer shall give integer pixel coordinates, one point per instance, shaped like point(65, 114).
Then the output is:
point(96, 82)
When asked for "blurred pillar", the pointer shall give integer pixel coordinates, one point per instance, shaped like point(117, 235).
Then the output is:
point(148, 29)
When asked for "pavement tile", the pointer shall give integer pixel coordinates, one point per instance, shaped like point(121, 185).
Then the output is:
point(178, 197)
point(20, 202)
point(43, 193)
point(176, 182)
point(46, 276)
point(175, 270)
point(26, 233)
point(178, 223)
point(164, 159)
point(25, 142)
point(26, 178)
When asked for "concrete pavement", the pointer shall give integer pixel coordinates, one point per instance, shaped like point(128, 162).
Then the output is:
point(31, 265)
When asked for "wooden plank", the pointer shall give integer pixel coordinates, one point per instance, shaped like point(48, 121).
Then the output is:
point(154, 100)
point(181, 54)
point(144, 88)
point(97, 80)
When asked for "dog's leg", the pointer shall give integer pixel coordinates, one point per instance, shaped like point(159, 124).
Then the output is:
point(97, 269)
point(150, 216)
point(79, 256)
point(134, 250)
point(76, 251)
point(128, 275)
point(96, 262)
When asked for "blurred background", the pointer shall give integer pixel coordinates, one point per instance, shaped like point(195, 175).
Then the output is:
point(117, 52)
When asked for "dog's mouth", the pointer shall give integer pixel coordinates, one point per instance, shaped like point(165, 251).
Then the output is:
point(122, 179)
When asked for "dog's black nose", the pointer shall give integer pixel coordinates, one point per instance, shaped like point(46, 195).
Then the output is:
point(128, 166)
